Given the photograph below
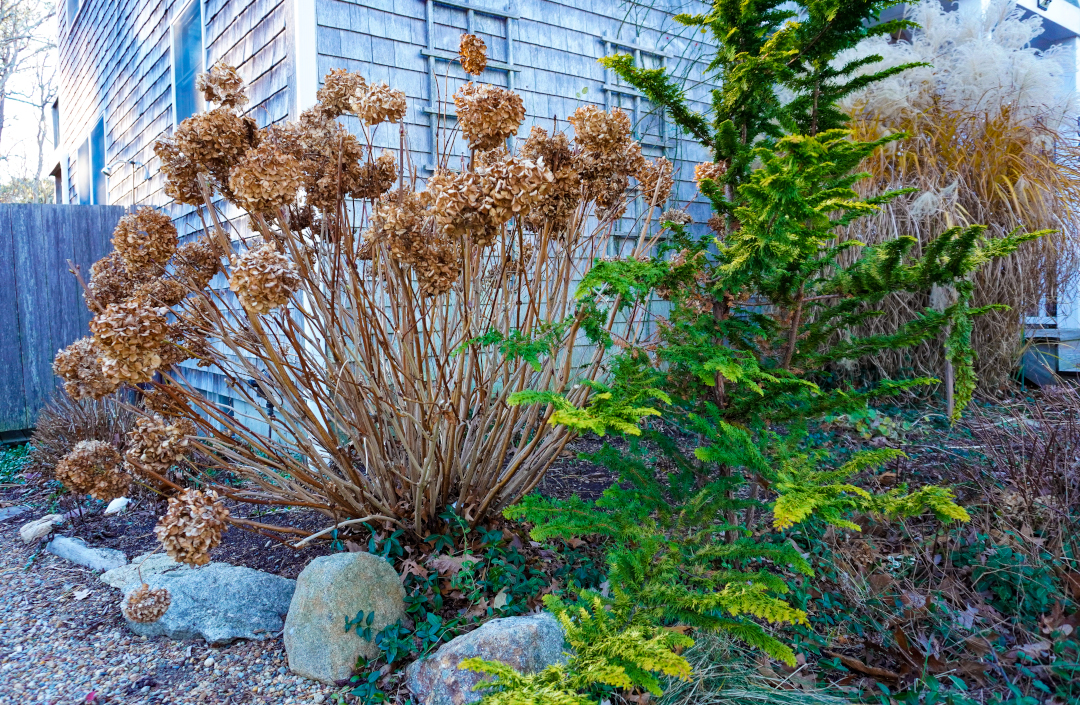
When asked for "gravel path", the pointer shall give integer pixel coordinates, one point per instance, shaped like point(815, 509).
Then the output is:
point(63, 641)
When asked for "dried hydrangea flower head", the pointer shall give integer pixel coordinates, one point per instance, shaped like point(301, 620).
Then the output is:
point(600, 132)
point(677, 216)
point(192, 526)
point(79, 365)
point(488, 115)
point(145, 605)
point(215, 141)
point(129, 336)
point(157, 445)
point(145, 238)
point(263, 279)
point(159, 401)
point(330, 157)
point(473, 54)
point(558, 205)
point(93, 468)
point(222, 85)
point(397, 222)
point(181, 174)
point(376, 177)
point(514, 186)
point(713, 171)
point(266, 179)
point(111, 282)
point(716, 223)
point(161, 292)
point(655, 180)
point(196, 263)
point(378, 103)
point(339, 86)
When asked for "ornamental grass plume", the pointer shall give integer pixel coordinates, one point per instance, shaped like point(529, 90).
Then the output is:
point(144, 239)
point(989, 123)
point(145, 604)
point(192, 527)
point(488, 115)
point(473, 54)
point(93, 468)
point(263, 279)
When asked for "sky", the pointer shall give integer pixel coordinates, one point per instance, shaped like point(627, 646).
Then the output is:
point(18, 143)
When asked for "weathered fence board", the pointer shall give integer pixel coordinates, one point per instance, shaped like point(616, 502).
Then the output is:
point(41, 306)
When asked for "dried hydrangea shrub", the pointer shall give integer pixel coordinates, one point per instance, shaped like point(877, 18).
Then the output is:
point(339, 86)
point(378, 103)
point(655, 180)
point(473, 54)
point(196, 263)
point(263, 279)
point(129, 336)
point(713, 171)
point(677, 216)
point(145, 604)
point(397, 221)
point(222, 85)
point(514, 186)
point(609, 156)
point(266, 179)
point(563, 196)
point(159, 401)
point(181, 174)
point(215, 141)
point(79, 365)
point(488, 115)
point(330, 157)
point(192, 526)
point(157, 445)
point(376, 177)
point(93, 468)
point(145, 238)
point(161, 292)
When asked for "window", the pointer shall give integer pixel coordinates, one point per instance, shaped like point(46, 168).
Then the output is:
point(97, 162)
point(187, 60)
point(72, 10)
point(56, 124)
point(58, 183)
point(82, 174)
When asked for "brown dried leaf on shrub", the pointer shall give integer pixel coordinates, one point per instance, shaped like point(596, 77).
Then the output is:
point(452, 565)
point(854, 664)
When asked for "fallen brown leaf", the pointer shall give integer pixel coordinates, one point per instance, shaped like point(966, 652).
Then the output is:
point(855, 664)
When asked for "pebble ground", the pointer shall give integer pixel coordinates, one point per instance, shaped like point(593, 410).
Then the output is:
point(63, 642)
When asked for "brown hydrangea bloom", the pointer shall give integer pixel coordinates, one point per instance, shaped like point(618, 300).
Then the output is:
point(379, 103)
point(676, 215)
point(339, 86)
point(129, 336)
point(460, 204)
point(710, 170)
point(655, 181)
point(145, 238)
point(196, 263)
point(266, 179)
point(376, 177)
point(192, 527)
point(514, 186)
point(181, 174)
point(215, 141)
point(263, 279)
point(93, 468)
point(487, 114)
point(162, 403)
point(145, 605)
point(157, 445)
point(330, 156)
point(79, 365)
point(716, 224)
point(222, 85)
point(600, 132)
point(111, 282)
point(473, 53)
point(402, 222)
point(161, 292)
point(563, 197)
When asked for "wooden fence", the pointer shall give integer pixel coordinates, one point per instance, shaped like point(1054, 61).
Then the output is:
point(41, 304)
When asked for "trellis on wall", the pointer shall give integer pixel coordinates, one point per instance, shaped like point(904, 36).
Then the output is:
point(650, 127)
point(445, 19)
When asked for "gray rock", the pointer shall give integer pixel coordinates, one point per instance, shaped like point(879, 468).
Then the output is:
point(146, 565)
point(218, 602)
point(12, 512)
point(529, 644)
point(76, 551)
point(329, 591)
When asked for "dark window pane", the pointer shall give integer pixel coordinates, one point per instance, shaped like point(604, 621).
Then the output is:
point(97, 161)
point(72, 10)
point(187, 59)
point(82, 174)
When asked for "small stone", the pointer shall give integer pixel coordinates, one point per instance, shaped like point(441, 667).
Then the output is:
point(209, 663)
point(12, 512)
point(319, 697)
point(76, 551)
point(117, 505)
